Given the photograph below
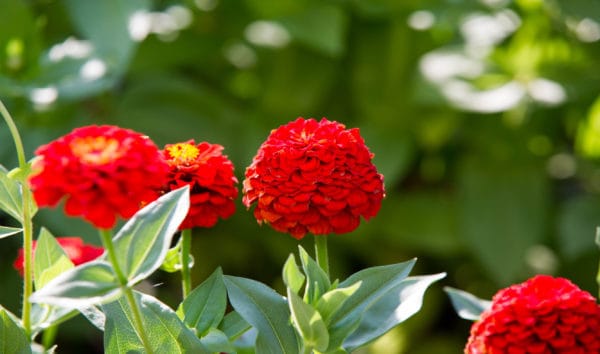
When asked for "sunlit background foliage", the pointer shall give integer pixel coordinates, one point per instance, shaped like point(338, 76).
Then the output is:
point(483, 116)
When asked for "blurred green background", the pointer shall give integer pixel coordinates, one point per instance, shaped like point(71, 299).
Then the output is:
point(483, 116)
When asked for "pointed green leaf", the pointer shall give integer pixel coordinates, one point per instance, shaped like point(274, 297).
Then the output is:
point(12, 336)
point(88, 284)
point(44, 316)
point(317, 282)
point(333, 300)
point(233, 325)
point(10, 195)
point(142, 244)
point(205, 306)
point(166, 332)
point(217, 341)
point(467, 305)
point(292, 276)
point(267, 311)
point(375, 282)
point(308, 322)
point(390, 309)
point(6, 231)
point(49, 259)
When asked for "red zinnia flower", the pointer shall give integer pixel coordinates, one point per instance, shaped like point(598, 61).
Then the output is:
point(102, 171)
point(543, 315)
point(315, 177)
point(210, 176)
point(76, 250)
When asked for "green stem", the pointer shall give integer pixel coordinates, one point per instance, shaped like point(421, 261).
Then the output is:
point(26, 222)
point(186, 277)
point(49, 336)
point(106, 237)
point(321, 252)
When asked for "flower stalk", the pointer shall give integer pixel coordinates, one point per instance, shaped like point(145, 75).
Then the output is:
point(106, 237)
point(186, 278)
point(322, 253)
point(26, 223)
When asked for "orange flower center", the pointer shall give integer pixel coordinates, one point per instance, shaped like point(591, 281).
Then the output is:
point(183, 153)
point(96, 150)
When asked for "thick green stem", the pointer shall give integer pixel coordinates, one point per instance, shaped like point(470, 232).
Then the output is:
point(135, 310)
point(49, 336)
point(186, 277)
point(26, 222)
point(321, 252)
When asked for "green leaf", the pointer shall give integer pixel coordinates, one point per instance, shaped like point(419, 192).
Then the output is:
point(44, 316)
point(11, 200)
point(6, 231)
point(205, 306)
point(308, 322)
point(267, 311)
point(167, 334)
point(172, 262)
point(142, 244)
point(374, 283)
point(85, 285)
point(12, 336)
point(467, 305)
point(292, 276)
point(234, 325)
point(217, 341)
point(390, 309)
point(317, 281)
point(333, 300)
point(49, 259)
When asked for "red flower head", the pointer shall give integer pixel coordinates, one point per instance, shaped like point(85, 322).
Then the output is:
point(315, 177)
point(210, 176)
point(543, 315)
point(102, 171)
point(76, 250)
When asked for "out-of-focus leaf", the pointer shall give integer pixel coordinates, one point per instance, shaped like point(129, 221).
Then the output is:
point(577, 222)
point(205, 306)
point(467, 305)
point(49, 259)
point(88, 284)
point(166, 333)
point(13, 339)
point(172, 262)
point(588, 133)
point(267, 311)
point(502, 212)
point(321, 27)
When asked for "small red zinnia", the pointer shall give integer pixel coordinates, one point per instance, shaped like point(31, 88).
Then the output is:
point(315, 177)
point(543, 315)
point(210, 176)
point(102, 172)
point(77, 251)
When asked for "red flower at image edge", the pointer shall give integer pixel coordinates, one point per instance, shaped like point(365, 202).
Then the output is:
point(102, 171)
point(76, 250)
point(210, 176)
point(543, 315)
point(315, 177)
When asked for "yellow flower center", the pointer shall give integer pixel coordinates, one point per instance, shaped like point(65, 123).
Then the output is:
point(97, 150)
point(183, 153)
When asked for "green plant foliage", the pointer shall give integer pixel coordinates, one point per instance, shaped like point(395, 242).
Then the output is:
point(6, 231)
point(265, 310)
point(49, 258)
point(309, 323)
point(467, 305)
point(169, 333)
point(13, 339)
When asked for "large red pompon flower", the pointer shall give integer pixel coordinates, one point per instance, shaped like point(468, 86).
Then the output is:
point(544, 315)
point(77, 251)
point(210, 176)
point(102, 172)
point(315, 177)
